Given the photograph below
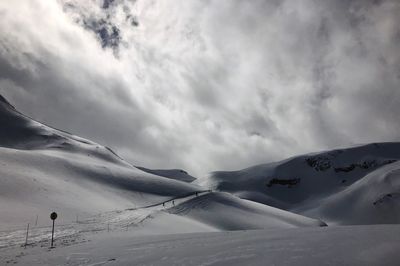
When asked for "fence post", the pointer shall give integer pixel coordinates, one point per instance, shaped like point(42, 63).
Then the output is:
point(52, 235)
point(26, 239)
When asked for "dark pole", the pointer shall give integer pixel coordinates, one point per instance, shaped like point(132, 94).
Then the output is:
point(27, 232)
point(53, 216)
point(52, 235)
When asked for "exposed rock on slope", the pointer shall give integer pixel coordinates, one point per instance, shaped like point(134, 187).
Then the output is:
point(325, 185)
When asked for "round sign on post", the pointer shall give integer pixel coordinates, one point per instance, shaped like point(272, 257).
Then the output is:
point(53, 216)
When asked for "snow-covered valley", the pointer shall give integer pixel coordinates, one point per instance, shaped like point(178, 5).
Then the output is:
point(112, 212)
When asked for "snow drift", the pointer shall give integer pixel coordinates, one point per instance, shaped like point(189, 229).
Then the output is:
point(177, 174)
point(238, 214)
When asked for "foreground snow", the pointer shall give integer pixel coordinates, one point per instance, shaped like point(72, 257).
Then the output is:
point(349, 245)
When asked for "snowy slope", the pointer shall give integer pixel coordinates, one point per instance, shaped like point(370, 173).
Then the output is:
point(45, 169)
point(238, 214)
point(202, 212)
point(23, 133)
point(374, 199)
point(177, 174)
point(299, 183)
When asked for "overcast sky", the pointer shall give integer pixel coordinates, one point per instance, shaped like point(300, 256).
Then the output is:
point(206, 85)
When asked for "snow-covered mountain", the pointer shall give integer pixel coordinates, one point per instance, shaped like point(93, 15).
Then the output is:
point(358, 185)
point(44, 169)
point(374, 199)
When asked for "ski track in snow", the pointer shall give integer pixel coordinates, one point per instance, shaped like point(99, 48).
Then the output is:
point(107, 221)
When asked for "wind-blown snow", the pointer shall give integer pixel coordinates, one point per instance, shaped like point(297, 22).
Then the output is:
point(177, 174)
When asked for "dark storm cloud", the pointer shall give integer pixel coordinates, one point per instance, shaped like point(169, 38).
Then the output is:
point(102, 22)
point(206, 85)
point(107, 3)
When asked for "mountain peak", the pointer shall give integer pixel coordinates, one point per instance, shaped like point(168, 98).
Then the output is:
point(4, 101)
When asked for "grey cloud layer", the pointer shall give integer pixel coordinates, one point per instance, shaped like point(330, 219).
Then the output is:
point(207, 85)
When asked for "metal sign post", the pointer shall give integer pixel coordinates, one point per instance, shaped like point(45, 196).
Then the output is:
point(53, 216)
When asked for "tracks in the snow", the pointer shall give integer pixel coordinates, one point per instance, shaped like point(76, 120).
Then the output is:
point(172, 200)
point(67, 234)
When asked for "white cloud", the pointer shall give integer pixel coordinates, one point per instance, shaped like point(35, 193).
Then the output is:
point(207, 85)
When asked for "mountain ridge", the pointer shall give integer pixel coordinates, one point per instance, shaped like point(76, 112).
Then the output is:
point(300, 183)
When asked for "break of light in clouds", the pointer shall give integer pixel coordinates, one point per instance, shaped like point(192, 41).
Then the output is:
point(206, 85)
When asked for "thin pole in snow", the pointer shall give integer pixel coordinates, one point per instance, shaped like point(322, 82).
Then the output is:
point(37, 217)
point(53, 216)
point(52, 235)
point(27, 233)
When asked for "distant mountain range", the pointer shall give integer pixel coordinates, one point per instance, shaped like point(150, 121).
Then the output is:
point(44, 169)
